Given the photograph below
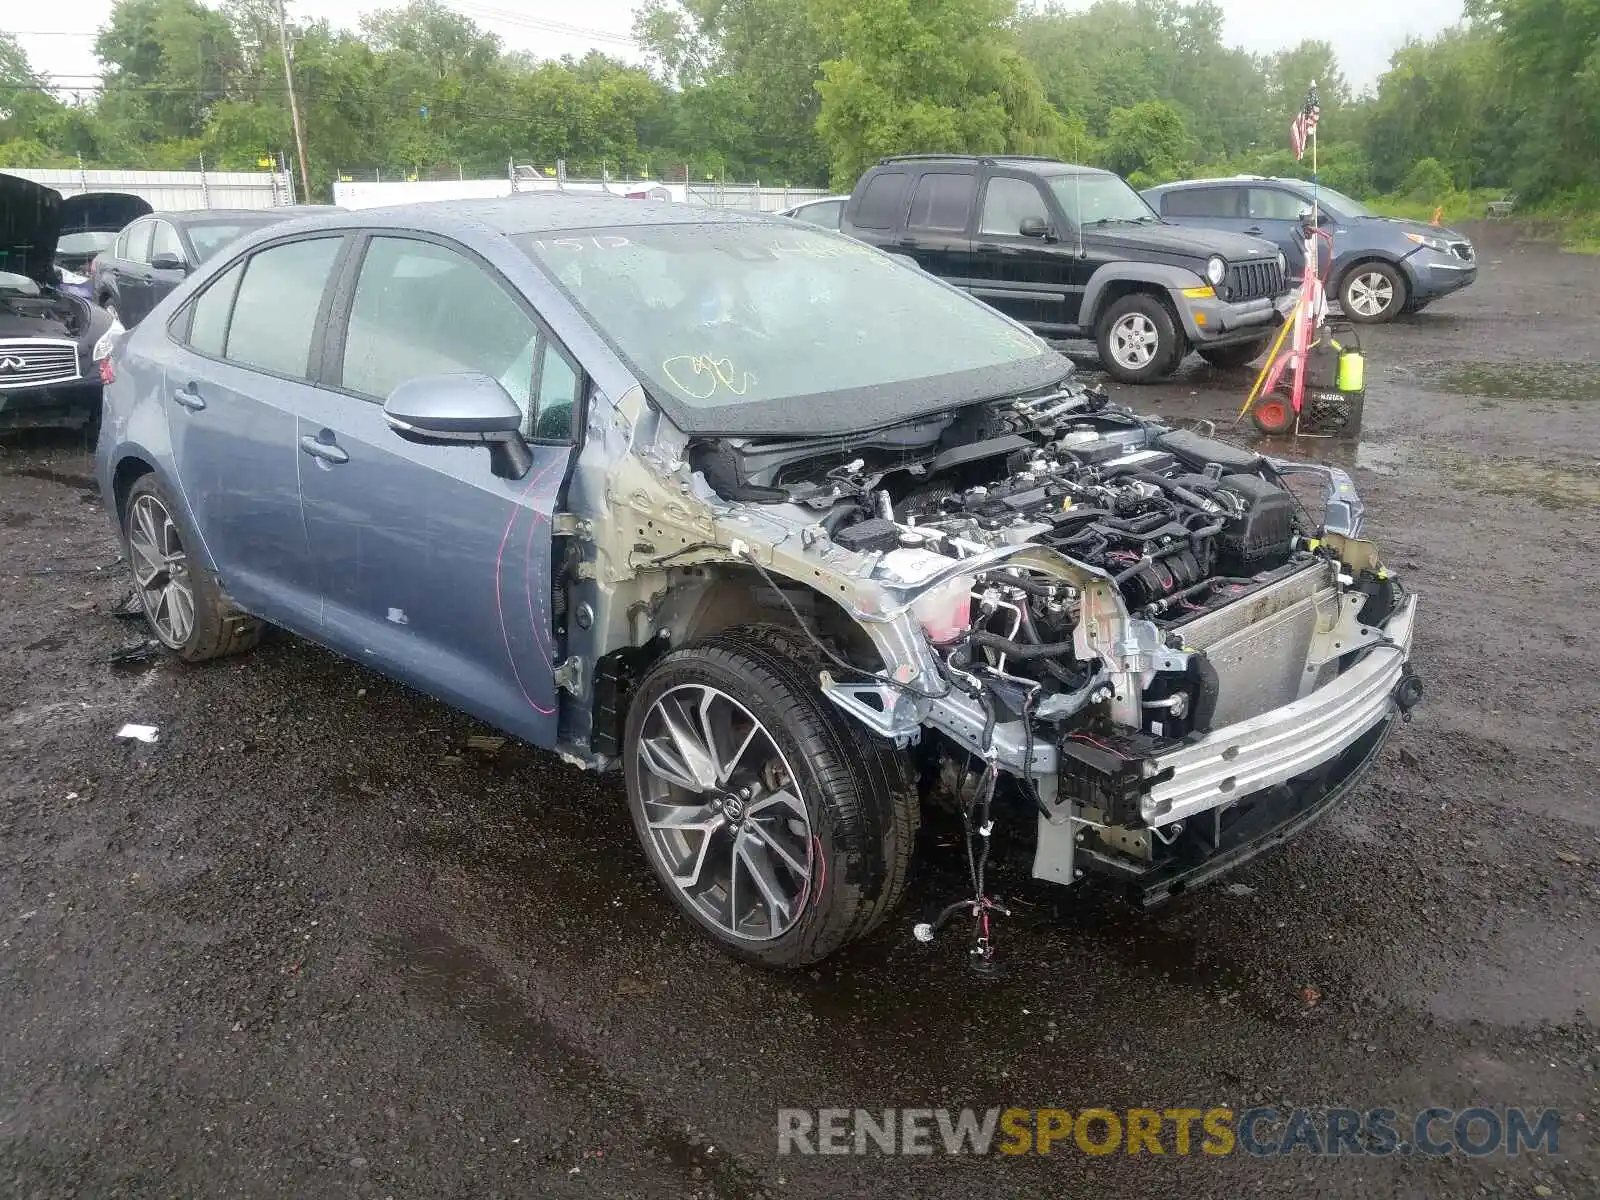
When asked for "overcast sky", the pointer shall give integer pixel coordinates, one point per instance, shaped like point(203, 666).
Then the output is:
point(59, 35)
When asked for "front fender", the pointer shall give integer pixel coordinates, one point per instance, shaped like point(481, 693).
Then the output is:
point(1162, 275)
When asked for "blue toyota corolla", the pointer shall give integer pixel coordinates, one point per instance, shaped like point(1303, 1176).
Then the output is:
point(779, 527)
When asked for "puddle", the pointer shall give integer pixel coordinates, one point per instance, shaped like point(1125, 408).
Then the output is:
point(1533, 381)
point(1548, 484)
point(1552, 487)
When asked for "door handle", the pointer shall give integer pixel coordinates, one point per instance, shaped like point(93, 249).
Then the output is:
point(987, 246)
point(189, 398)
point(328, 452)
point(1254, 229)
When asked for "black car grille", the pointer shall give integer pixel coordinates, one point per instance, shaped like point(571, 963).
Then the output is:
point(1253, 281)
point(26, 362)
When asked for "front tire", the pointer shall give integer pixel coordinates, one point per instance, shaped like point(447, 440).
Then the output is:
point(183, 605)
point(1237, 354)
point(1372, 293)
point(1139, 339)
point(777, 826)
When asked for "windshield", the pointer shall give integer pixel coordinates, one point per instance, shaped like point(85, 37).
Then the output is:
point(91, 242)
point(729, 325)
point(1342, 204)
point(1099, 200)
point(210, 236)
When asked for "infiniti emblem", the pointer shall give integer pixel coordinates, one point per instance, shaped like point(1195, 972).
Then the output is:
point(9, 364)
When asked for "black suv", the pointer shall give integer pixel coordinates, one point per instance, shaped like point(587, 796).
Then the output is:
point(1075, 252)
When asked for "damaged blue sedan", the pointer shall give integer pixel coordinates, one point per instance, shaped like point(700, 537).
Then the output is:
point(795, 538)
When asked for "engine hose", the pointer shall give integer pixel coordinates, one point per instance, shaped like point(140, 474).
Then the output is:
point(1189, 497)
point(1033, 587)
point(1167, 602)
point(1021, 651)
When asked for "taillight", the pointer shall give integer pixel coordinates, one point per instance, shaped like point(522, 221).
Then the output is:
point(107, 372)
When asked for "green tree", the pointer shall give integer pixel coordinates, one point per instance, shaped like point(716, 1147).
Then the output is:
point(167, 62)
point(1147, 140)
point(924, 75)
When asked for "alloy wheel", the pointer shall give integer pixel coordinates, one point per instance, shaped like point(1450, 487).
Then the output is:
point(161, 571)
point(724, 815)
point(1134, 341)
point(1370, 294)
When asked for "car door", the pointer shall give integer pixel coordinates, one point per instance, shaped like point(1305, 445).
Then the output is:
point(235, 384)
point(133, 273)
point(1274, 213)
point(938, 224)
point(1029, 278)
point(431, 567)
point(169, 265)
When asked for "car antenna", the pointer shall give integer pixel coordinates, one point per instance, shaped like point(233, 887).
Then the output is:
point(1077, 218)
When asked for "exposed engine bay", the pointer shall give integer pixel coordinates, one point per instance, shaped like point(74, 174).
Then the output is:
point(1100, 602)
point(28, 310)
point(1183, 525)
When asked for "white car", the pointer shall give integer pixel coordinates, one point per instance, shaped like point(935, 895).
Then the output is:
point(825, 212)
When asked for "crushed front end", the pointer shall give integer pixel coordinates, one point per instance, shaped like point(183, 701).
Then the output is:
point(1173, 652)
point(1146, 628)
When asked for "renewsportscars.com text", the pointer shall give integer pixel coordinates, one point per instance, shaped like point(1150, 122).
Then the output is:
point(1259, 1132)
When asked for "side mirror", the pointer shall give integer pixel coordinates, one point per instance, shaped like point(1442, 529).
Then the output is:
point(168, 261)
point(468, 407)
point(1033, 227)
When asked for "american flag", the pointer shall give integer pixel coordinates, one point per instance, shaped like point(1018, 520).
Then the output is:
point(1305, 122)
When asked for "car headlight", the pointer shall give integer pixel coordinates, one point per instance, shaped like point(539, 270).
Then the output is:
point(108, 341)
point(1432, 243)
point(71, 276)
point(1216, 271)
point(1283, 264)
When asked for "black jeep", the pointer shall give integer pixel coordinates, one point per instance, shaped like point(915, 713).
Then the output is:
point(1075, 252)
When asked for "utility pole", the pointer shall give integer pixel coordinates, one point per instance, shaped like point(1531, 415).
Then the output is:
point(294, 107)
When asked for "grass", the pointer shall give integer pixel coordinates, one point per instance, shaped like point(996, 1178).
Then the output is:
point(1573, 220)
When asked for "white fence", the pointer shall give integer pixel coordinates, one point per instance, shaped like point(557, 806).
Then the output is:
point(171, 191)
point(749, 197)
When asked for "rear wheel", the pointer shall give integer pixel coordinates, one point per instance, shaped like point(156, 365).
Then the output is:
point(1139, 339)
point(1273, 414)
point(776, 826)
point(1372, 293)
point(183, 605)
point(1237, 354)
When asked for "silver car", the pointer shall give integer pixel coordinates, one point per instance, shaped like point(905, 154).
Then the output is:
point(794, 538)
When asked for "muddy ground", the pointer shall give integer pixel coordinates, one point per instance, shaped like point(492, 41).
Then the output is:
point(313, 944)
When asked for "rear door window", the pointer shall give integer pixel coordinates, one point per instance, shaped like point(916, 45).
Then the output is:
point(208, 324)
point(275, 311)
point(424, 309)
point(943, 201)
point(883, 202)
point(1202, 202)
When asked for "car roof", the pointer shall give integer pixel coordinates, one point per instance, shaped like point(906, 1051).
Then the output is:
point(1028, 163)
point(531, 212)
point(283, 212)
point(1190, 183)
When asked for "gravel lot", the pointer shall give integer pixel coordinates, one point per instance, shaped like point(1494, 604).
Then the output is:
point(312, 943)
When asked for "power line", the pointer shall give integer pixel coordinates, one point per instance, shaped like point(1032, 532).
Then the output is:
point(523, 21)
